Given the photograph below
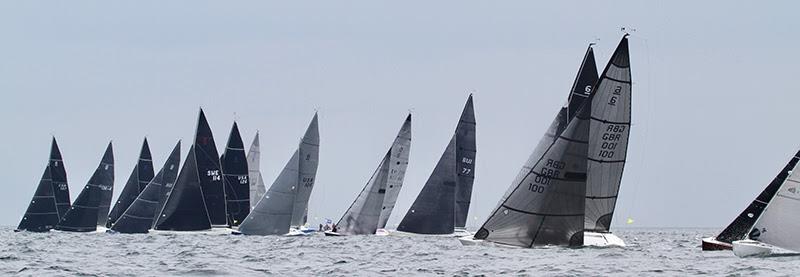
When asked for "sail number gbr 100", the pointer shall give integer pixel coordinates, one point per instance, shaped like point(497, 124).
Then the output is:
point(552, 168)
point(610, 140)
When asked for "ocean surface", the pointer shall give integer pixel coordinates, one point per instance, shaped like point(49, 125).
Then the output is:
point(664, 252)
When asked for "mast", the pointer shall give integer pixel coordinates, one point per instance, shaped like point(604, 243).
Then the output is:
point(209, 173)
point(141, 213)
point(398, 162)
point(84, 215)
point(141, 175)
point(184, 209)
point(235, 177)
point(257, 188)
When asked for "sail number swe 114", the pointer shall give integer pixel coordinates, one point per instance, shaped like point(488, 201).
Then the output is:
point(552, 168)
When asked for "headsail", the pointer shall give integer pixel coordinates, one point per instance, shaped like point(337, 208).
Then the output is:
point(779, 223)
point(546, 203)
point(275, 212)
point(209, 172)
point(738, 229)
point(365, 214)
point(58, 178)
point(465, 161)
point(184, 209)
point(142, 212)
point(84, 215)
point(608, 139)
point(398, 162)
point(257, 188)
point(141, 175)
point(309, 159)
point(443, 203)
point(235, 177)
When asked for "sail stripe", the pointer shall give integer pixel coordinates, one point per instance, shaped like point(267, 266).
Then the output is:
point(605, 161)
point(539, 214)
point(616, 80)
point(574, 140)
point(601, 197)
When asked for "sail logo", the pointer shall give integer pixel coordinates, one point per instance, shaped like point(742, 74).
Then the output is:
point(587, 89)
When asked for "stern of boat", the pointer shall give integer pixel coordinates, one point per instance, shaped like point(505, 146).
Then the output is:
point(593, 239)
point(750, 248)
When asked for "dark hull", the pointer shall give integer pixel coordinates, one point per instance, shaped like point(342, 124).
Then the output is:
point(711, 244)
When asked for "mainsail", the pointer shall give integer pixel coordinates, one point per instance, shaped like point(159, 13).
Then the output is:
point(275, 212)
point(42, 213)
point(235, 177)
point(58, 178)
point(309, 159)
point(546, 203)
point(738, 229)
point(779, 223)
point(444, 201)
point(209, 173)
point(363, 216)
point(257, 188)
point(608, 139)
point(84, 214)
point(184, 209)
point(398, 162)
point(141, 175)
point(142, 212)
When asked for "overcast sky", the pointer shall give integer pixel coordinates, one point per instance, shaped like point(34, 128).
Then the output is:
point(715, 90)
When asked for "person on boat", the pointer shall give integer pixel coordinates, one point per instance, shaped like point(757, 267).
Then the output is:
point(334, 229)
point(320, 228)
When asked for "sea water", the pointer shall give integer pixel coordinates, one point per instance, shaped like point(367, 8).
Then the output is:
point(667, 252)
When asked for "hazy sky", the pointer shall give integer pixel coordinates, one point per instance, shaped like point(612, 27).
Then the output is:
point(715, 90)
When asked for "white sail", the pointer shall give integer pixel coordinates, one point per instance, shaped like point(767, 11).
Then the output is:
point(257, 188)
point(779, 223)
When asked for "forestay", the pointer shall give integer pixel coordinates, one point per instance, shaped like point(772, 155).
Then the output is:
point(84, 214)
point(141, 175)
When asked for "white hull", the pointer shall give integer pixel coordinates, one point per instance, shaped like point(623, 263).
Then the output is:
point(212, 231)
point(455, 234)
point(470, 241)
point(749, 248)
point(300, 232)
point(593, 239)
point(382, 232)
point(461, 232)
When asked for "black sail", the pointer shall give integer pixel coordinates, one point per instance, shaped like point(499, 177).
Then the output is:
point(738, 229)
point(58, 179)
point(235, 176)
point(184, 209)
point(209, 172)
point(41, 215)
point(433, 212)
point(465, 160)
point(83, 216)
point(141, 175)
point(141, 214)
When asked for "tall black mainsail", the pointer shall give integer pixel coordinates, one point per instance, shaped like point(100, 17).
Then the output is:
point(58, 178)
point(282, 206)
point(141, 175)
point(235, 177)
point(363, 216)
point(742, 224)
point(209, 173)
point(83, 216)
point(444, 200)
point(184, 209)
point(142, 212)
point(546, 203)
point(42, 213)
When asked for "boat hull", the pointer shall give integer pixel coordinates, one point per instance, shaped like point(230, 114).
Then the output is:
point(593, 239)
point(333, 234)
point(470, 241)
point(750, 248)
point(382, 232)
point(712, 244)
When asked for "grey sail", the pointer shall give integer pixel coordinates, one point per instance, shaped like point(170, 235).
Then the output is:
point(309, 159)
point(141, 175)
point(546, 203)
point(433, 212)
point(465, 161)
point(398, 162)
point(274, 213)
point(43, 213)
point(364, 215)
point(778, 224)
point(84, 214)
point(608, 139)
point(257, 188)
point(141, 213)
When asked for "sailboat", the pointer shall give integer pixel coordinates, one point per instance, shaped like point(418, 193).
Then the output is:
point(51, 200)
point(737, 230)
point(235, 177)
point(775, 230)
point(441, 207)
point(284, 208)
point(370, 212)
point(141, 175)
point(257, 188)
point(566, 191)
point(141, 214)
point(84, 214)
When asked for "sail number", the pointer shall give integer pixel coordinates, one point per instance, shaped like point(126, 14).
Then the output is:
point(63, 186)
point(611, 138)
point(308, 181)
point(466, 169)
point(242, 179)
point(552, 168)
point(214, 174)
point(615, 95)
